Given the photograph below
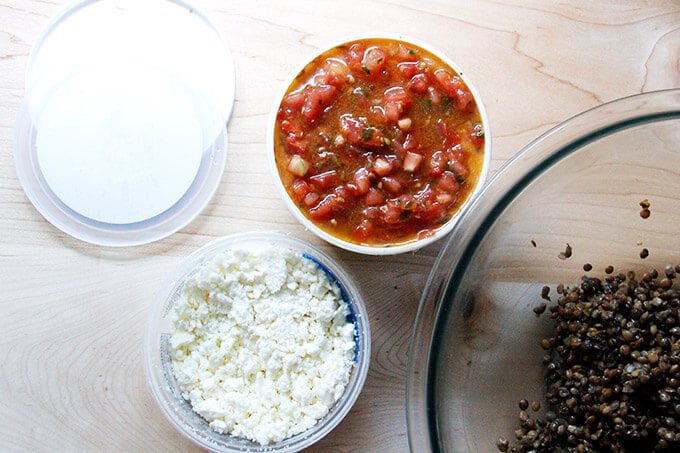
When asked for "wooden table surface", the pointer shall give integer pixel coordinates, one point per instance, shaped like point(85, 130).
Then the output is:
point(72, 315)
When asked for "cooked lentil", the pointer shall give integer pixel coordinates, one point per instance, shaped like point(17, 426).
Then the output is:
point(612, 368)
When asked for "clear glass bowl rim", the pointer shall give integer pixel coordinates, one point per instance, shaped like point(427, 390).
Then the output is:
point(508, 182)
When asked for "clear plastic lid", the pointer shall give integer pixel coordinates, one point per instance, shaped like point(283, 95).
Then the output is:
point(121, 138)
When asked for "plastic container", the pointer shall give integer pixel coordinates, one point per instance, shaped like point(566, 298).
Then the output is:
point(383, 248)
point(121, 138)
point(159, 366)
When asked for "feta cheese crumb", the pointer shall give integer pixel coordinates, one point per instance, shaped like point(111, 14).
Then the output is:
point(262, 347)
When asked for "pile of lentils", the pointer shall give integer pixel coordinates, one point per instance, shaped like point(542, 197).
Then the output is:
point(612, 368)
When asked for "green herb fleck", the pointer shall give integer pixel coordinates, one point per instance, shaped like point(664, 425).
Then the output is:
point(365, 69)
point(425, 104)
point(367, 133)
point(411, 52)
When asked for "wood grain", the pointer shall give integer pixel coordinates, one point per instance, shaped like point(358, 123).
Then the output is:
point(72, 315)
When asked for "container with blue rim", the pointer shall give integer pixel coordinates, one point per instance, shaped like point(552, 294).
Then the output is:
point(160, 327)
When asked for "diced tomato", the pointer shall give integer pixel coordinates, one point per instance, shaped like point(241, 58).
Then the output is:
point(358, 132)
point(458, 168)
point(343, 193)
point(407, 202)
point(374, 197)
point(373, 61)
point(426, 233)
point(437, 163)
point(395, 101)
point(477, 135)
point(325, 209)
point(336, 71)
point(317, 98)
point(455, 89)
point(412, 161)
point(291, 128)
point(391, 213)
point(392, 184)
point(418, 83)
point(324, 180)
point(311, 199)
point(408, 69)
point(434, 213)
point(410, 143)
point(294, 101)
point(405, 53)
point(448, 183)
point(364, 230)
point(354, 55)
point(296, 145)
point(449, 134)
point(362, 181)
point(300, 189)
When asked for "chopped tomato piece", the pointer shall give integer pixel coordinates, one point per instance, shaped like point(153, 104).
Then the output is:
point(300, 189)
point(324, 180)
point(364, 231)
point(296, 144)
point(373, 61)
point(406, 53)
point(374, 197)
point(311, 199)
point(410, 143)
point(354, 55)
point(418, 83)
point(448, 182)
point(325, 208)
point(435, 213)
point(457, 168)
point(358, 132)
point(437, 163)
point(362, 180)
point(455, 89)
point(294, 101)
point(449, 134)
point(408, 69)
point(391, 213)
point(317, 99)
point(336, 72)
point(392, 184)
point(395, 101)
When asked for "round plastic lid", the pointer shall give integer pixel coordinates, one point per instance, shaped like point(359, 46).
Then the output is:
point(121, 138)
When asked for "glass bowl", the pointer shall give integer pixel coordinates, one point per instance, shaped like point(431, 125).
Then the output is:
point(158, 362)
point(476, 349)
point(385, 247)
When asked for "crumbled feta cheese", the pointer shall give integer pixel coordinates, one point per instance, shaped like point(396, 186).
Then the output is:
point(262, 348)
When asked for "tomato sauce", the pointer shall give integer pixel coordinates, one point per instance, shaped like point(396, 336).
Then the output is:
point(379, 142)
